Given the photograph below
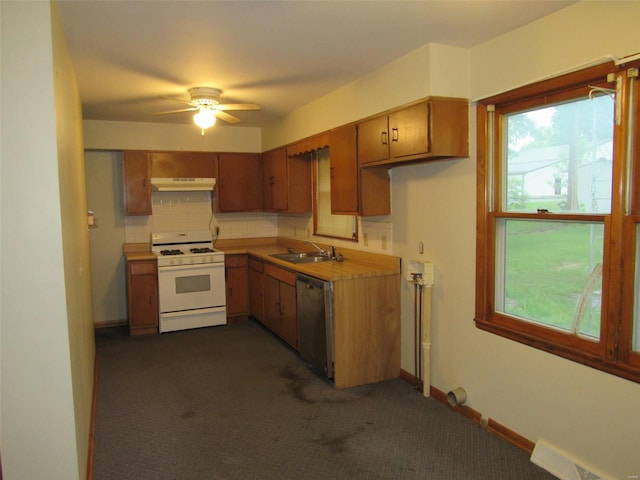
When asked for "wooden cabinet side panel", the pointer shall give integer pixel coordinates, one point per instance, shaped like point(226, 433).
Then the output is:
point(343, 154)
point(375, 191)
point(450, 128)
point(239, 184)
point(136, 172)
point(367, 330)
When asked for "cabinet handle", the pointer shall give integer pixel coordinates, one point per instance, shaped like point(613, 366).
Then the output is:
point(150, 300)
point(394, 134)
point(331, 171)
point(383, 138)
point(144, 182)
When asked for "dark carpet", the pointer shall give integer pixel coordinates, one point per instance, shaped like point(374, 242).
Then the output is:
point(233, 402)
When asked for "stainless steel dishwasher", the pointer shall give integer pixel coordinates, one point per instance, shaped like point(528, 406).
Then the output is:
point(315, 322)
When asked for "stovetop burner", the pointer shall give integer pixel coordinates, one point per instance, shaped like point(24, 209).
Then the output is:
point(201, 250)
point(171, 252)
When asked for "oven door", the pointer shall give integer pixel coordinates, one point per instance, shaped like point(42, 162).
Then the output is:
point(190, 287)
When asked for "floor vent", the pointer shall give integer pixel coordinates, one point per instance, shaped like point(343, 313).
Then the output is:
point(560, 464)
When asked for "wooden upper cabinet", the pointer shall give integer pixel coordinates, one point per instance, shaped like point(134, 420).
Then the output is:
point(239, 183)
point(308, 145)
point(409, 131)
point(183, 164)
point(274, 180)
point(298, 186)
point(343, 157)
point(136, 171)
point(433, 129)
point(373, 140)
point(286, 182)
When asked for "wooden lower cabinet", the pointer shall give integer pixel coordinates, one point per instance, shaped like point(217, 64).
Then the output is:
point(256, 289)
point(237, 286)
point(280, 314)
point(142, 296)
point(366, 330)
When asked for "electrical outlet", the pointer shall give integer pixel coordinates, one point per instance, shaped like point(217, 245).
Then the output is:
point(384, 242)
point(365, 239)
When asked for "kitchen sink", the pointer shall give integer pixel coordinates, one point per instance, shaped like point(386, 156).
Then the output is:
point(302, 257)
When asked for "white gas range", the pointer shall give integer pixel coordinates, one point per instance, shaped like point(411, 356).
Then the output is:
point(191, 280)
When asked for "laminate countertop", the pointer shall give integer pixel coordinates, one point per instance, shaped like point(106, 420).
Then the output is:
point(356, 263)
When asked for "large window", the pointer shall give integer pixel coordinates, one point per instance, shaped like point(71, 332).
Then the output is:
point(558, 250)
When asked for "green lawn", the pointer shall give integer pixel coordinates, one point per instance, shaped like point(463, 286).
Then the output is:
point(546, 269)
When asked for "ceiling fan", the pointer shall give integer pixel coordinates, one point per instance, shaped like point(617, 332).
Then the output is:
point(206, 102)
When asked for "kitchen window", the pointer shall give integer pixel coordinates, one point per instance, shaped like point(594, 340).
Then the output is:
point(558, 250)
point(325, 223)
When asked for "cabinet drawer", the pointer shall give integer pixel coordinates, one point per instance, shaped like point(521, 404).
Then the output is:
point(239, 260)
point(281, 274)
point(255, 264)
point(144, 267)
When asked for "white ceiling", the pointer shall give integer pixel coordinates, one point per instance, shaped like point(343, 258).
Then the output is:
point(129, 54)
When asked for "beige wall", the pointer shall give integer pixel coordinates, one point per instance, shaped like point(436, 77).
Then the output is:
point(402, 81)
point(101, 135)
point(590, 415)
point(47, 348)
point(75, 238)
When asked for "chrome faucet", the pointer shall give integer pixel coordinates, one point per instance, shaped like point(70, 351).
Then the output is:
point(322, 251)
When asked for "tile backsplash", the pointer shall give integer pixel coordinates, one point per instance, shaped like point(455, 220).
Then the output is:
point(188, 211)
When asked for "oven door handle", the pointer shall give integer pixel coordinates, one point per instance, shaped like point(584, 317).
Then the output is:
point(197, 266)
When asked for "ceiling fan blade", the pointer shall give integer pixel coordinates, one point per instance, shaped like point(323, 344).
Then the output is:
point(190, 109)
point(238, 106)
point(226, 117)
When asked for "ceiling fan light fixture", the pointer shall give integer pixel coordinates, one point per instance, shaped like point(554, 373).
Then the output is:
point(204, 119)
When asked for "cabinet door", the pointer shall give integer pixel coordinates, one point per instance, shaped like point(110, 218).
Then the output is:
point(274, 180)
point(136, 170)
point(288, 315)
point(373, 140)
point(343, 156)
point(239, 185)
point(256, 290)
point(142, 282)
point(183, 164)
point(272, 303)
point(237, 285)
point(409, 131)
point(299, 184)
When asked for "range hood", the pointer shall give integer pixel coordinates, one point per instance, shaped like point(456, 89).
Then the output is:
point(182, 184)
